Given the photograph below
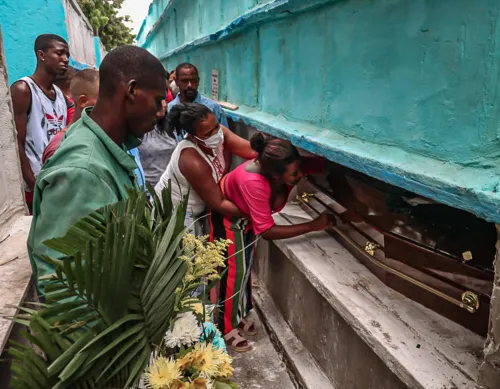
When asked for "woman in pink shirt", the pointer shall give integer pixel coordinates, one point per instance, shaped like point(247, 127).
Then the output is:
point(259, 188)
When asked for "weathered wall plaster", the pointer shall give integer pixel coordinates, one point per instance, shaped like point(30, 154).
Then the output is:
point(11, 184)
point(489, 371)
point(15, 274)
point(417, 79)
point(80, 34)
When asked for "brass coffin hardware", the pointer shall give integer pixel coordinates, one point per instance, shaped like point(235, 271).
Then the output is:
point(467, 256)
point(469, 302)
point(305, 197)
point(371, 248)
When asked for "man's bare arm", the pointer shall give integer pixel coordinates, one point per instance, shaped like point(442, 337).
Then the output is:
point(21, 100)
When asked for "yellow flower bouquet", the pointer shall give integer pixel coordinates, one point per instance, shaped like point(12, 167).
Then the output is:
point(193, 353)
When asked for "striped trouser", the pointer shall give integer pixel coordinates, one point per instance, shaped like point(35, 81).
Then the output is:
point(234, 292)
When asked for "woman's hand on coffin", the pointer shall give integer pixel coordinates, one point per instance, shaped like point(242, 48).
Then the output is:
point(323, 222)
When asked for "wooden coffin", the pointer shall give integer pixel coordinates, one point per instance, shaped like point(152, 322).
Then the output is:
point(437, 255)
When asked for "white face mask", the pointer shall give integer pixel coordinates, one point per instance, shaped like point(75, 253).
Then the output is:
point(214, 141)
point(174, 88)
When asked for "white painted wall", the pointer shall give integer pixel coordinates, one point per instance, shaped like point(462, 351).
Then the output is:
point(80, 34)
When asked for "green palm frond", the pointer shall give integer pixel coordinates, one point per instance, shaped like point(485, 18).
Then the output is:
point(110, 301)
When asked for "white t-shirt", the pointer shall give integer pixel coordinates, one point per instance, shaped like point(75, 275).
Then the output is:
point(180, 185)
point(46, 118)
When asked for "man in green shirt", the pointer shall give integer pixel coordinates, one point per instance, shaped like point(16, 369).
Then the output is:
point(91, 168)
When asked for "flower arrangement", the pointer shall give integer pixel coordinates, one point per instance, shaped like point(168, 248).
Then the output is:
point(123, 305)
point(193, 354)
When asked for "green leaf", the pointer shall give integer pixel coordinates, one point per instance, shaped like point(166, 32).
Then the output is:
point(123, 349)
point(80, 277)
point(68, 271)
point(73, 366)
point(138, 367)
point(222, 385)
point(88, 269)
point(57, 366)
point(115, 326)
point(124, 336)
point(140, 351)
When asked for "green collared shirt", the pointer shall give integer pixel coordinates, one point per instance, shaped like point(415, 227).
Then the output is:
point(87, 172)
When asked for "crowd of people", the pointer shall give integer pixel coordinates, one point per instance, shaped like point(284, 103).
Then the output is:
point(85, 137)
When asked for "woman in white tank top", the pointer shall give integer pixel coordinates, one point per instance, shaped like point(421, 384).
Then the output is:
point(198, 164)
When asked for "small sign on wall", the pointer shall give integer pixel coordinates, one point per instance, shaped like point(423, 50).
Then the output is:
point(215, 84)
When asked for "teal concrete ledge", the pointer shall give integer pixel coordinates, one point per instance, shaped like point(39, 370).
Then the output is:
point(150, 34)
point(97, 48)
point(467, 188)
point(77, 65)
point(273, 10)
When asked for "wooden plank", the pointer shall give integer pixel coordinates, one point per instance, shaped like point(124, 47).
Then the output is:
point(228, 106)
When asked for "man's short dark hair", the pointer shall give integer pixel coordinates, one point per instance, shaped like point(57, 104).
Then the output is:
point(85, 82)
point(44, 42)
point(127, 63)
point(185, 65)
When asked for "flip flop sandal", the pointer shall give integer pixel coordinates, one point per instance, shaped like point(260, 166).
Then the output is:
point(233, 339)
point(247, 327)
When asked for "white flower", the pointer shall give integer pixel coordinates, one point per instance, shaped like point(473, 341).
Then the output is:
point(185, 332)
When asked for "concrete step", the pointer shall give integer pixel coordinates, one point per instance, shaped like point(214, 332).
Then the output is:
point(262, 367)
point(303, 367)
point(362, 334)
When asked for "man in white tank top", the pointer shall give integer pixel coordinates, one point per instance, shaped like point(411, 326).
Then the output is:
point(40, 108)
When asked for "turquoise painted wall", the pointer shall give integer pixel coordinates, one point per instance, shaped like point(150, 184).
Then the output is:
point(417, 80)
point(97, 49)
point(21, 22)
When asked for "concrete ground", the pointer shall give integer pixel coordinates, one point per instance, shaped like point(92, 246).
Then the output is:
point(261, 368)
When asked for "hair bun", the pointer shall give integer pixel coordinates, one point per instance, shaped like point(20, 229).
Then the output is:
point(258, 142)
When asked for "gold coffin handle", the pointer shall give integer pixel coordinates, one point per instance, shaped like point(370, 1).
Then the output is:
point(470, 300)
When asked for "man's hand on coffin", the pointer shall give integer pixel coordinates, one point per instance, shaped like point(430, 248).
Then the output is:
point(324, 221)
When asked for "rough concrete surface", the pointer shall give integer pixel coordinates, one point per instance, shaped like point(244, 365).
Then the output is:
point(11, 187)
point(15, 273)
point(299, 360)
point(80, 34)
point(261, 368)
point(489, 372)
